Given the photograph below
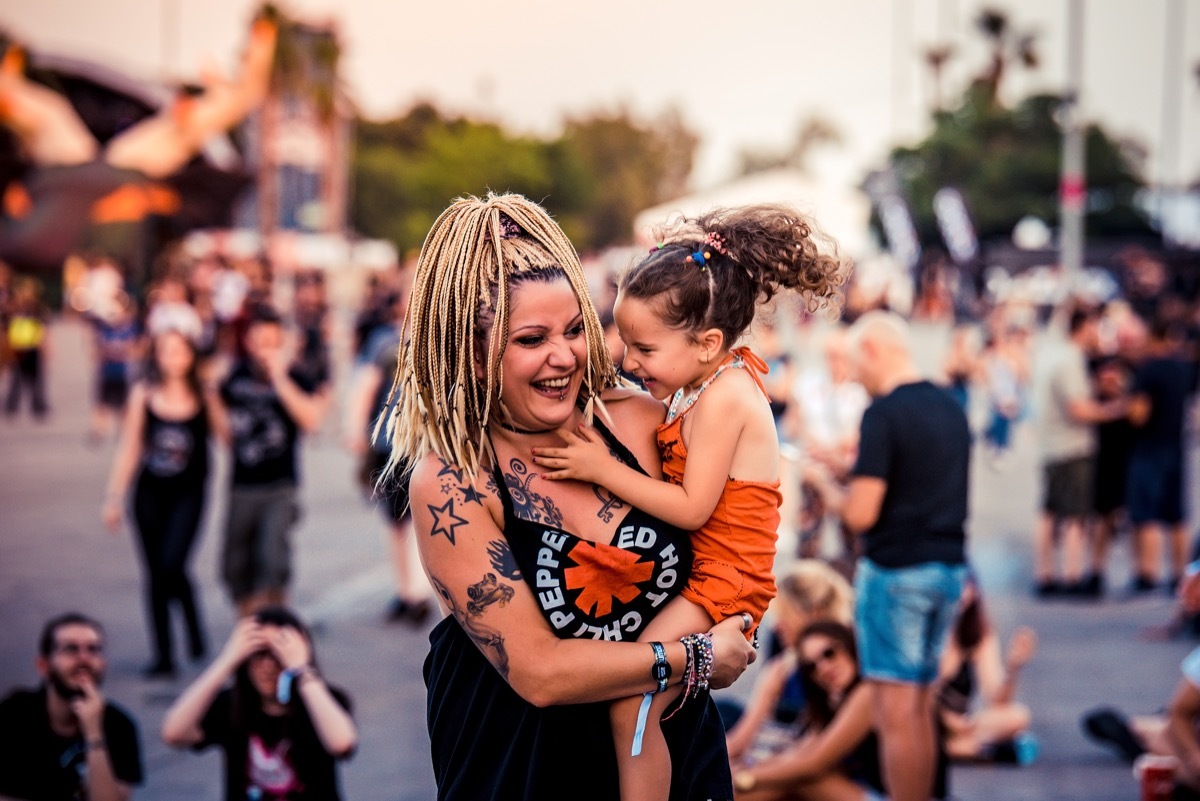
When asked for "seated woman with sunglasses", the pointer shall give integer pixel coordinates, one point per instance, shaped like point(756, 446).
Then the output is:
point(838, 757)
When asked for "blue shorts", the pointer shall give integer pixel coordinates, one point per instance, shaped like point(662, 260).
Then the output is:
point(1154, 487)
point(902, 616)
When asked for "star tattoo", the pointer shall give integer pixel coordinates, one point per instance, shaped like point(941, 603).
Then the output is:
point(445, 521)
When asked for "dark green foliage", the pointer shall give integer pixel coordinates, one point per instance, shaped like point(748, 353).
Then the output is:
point(594, 178)
point(1006, 163)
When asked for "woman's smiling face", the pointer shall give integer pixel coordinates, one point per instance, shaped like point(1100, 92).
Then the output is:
point(546, 355)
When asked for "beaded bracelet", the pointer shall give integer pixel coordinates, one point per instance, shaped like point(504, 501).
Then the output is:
point(700, 662)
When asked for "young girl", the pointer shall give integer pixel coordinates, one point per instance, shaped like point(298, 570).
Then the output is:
point(680, 312)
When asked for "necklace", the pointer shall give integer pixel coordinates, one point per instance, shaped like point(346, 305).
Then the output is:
point(516, 430)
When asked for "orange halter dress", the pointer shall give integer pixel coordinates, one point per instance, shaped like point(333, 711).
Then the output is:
point(733, 571)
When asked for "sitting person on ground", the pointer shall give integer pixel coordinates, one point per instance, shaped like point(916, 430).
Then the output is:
point(773, 716)
point(264, 703)
point(838, 758)
point(1173, 734)
point(978, 681)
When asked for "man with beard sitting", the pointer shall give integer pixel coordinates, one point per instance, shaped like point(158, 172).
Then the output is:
point(64, 740)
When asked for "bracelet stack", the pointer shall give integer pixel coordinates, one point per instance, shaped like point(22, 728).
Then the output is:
point(696, 674)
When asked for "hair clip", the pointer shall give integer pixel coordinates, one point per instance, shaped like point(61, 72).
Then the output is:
point(658, 247)
point(715, 241)
point(699, 258)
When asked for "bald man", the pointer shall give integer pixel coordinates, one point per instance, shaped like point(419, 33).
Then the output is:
point(907, 502)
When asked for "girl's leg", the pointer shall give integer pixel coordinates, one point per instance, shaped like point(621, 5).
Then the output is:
point(647, 777)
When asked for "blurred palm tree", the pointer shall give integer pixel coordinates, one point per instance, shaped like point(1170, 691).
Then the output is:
point(1007, 45)
point(936, 56)
point(305, 89)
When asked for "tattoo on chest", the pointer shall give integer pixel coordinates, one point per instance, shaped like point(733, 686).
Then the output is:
point(503, 560)
point(609, 503)
point(487, 592)
point(489, 641)
point(527, 503)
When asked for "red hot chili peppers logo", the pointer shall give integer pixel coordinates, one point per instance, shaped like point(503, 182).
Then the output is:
point(606, 591)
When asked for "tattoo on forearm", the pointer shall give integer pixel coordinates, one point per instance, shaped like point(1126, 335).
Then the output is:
point(487, 592)
point(503, 560)
point(489, 641)
point(610, 502)
point(444, 520)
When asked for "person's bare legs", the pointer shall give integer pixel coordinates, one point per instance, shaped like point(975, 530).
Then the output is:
point(1147, 551)
point(647, 776)
point(830, 787)
point(1043, 548)
point(1074, 550)
point(1103, 529)
point(908, 751)
point(44, 121)
point(1178, 548)
point(994, 724)
point(162, 144)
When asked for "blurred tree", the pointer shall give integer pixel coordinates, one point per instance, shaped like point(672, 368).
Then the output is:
point(1006, 163)
point(625, 167)
point(594, 178)
point(812, 133)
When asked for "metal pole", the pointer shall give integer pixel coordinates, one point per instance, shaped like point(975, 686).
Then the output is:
point(1169, 179)
point(170, 28)
point(1073, 187)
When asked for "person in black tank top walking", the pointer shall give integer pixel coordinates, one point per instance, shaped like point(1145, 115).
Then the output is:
point(163, 455)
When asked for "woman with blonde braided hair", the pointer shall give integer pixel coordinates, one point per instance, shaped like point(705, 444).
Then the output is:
point(539, 578)
point(680, 313)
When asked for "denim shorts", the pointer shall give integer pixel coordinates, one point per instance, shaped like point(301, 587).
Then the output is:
point(902, 616)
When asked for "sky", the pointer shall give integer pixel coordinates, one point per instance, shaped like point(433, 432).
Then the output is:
point(742, 75)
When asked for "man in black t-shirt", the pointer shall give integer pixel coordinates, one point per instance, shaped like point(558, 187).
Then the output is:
point(907, 500)
point(1162, 386)
point(268, 405)
point(64, 740)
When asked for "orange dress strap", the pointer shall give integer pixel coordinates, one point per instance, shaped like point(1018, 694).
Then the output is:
point(738, 357)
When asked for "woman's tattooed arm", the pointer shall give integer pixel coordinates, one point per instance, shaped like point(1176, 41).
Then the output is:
point(489, 641)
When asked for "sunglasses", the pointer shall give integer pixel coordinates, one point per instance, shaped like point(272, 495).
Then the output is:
point(829, 653)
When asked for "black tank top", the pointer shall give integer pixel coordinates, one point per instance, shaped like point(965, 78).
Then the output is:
point(488, 744)
point(604, 591)
point(175, 452)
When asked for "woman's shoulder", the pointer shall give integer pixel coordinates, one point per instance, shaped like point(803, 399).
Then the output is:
point(628, 405)
point(432, 476)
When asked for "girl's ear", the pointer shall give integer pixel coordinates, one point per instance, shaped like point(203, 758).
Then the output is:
point(711, 341)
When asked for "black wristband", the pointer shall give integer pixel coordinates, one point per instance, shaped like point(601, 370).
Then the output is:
point(95, 745)
point(661, 670)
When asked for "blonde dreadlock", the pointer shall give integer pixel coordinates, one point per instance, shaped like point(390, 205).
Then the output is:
point(464, 268)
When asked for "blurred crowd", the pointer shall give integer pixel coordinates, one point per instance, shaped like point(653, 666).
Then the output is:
point(229, 352)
